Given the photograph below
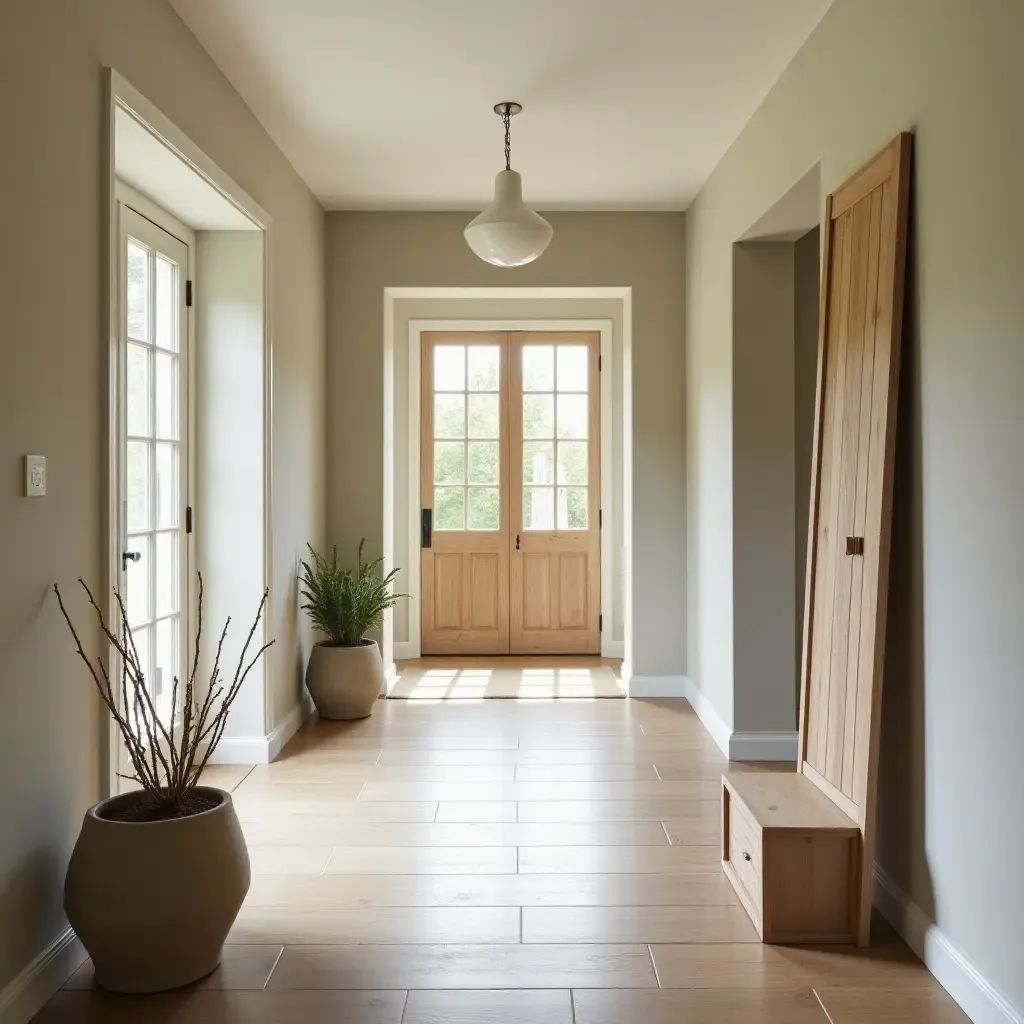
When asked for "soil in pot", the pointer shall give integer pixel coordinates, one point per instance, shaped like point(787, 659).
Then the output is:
point(144, 808)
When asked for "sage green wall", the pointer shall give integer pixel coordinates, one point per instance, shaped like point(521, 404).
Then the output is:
point(53, 397)
point(950, 806)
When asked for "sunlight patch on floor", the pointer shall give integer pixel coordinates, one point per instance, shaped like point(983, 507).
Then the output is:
point(476, 684)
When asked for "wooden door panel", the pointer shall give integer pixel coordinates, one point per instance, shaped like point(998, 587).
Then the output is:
point(573, 604)
point(447, 590)
point(535, 586)
point(485, 580)
point(555, 462)
point(464, 482)
point(848, 543)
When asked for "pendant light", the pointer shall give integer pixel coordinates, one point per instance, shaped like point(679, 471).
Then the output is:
point(508, 233)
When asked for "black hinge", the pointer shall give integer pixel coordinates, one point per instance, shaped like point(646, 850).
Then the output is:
point(188, 519)
point(600, 623)
point(600, 518)
point(188, 293)
point(599, 364)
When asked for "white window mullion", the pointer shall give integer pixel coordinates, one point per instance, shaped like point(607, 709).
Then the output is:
point(162, 250)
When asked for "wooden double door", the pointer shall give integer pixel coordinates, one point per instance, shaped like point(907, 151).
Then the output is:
point(510, 486)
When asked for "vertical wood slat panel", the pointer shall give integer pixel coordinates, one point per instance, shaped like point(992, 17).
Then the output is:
point(829, 507)
point(855, 680)
point(868, 672)
point(849, 431)
point(815, 709)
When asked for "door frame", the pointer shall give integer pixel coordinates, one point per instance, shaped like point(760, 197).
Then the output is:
point(409, 521)
point(121, 95)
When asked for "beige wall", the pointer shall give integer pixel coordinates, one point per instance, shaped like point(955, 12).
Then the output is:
point(952, 71)
point(367, 252)
point(52, 395)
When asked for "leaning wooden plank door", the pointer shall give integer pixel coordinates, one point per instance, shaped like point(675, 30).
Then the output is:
point(848, 546)
point(464, 487)
point(555, 494)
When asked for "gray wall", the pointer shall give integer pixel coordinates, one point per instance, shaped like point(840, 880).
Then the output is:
point(53, 390)
point(806, 288)
point(950, 805)
point(764, 454)
point(367, 252)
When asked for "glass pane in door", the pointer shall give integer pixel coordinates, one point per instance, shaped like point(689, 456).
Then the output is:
point(467, 433)
point(556, 379)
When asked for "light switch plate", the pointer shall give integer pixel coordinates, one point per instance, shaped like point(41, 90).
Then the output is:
point(35, 476)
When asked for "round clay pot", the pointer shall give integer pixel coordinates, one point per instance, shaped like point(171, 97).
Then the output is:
point(345, 682)
point(154, 901)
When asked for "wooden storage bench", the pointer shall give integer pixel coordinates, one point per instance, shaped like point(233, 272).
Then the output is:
point(792, 856)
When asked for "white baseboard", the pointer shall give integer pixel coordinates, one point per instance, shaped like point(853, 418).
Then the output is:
point(263, 749)
point(720, 732)
point(741, 746)
point(29, 991)
point(615, 649)
point(655, 686)
point(763, 746)
point(977, 997)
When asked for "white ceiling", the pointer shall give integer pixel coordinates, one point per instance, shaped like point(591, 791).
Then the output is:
point(386, 104)
point(143, 161)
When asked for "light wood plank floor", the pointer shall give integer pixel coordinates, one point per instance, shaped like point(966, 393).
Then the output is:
point(505, 862)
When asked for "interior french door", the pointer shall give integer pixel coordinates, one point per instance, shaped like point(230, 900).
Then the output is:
point(464, 466)
point(152, 449)
point(555, 499)
point(510, 485)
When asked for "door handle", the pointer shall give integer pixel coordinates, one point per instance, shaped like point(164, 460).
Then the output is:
point(426, 527)
point(129, 556)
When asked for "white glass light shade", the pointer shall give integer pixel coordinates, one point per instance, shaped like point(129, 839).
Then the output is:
point(508, 233)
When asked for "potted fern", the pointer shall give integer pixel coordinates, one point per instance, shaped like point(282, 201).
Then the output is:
point(345, 674)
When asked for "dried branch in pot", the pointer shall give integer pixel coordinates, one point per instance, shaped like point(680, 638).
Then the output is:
point(168, 757)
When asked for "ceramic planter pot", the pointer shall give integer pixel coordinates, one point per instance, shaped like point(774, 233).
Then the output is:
point(345, 682)
point(154, 901)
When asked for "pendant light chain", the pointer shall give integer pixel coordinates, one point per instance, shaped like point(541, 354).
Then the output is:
point(506, 116)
